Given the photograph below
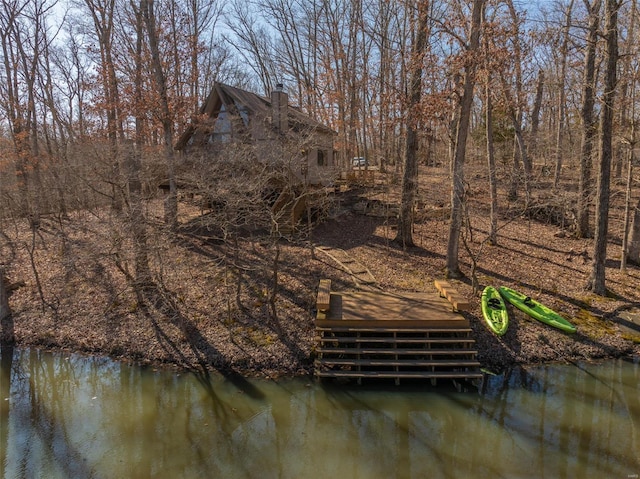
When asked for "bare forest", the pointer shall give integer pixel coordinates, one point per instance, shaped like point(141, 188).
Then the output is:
point(501, 139)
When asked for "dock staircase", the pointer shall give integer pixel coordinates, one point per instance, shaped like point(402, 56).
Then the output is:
point(427, 340)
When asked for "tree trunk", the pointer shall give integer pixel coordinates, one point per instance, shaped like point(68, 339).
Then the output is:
point(491, 161)
point(626, 118)
point(457, 191)
point(134, 167)
point(14, 108)
point(409, 187)
point(171, 201)
point(514, 105)
point(524, 157)
point(627, 213)
point(103, 13)
point(633, 255)
point(562, 102)
point(6, 322)
point(535, 113)
point(588, 123)
point(633, 243)
point(454, 122)
point(137, 218)
point(410, 177)
point(597, 280)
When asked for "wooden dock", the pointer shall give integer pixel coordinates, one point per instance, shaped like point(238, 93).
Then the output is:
point(386, 335)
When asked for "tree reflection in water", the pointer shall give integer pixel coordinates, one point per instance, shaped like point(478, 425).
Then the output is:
point(69, 416)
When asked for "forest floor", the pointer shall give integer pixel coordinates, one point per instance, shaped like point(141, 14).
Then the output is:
point(209, 305)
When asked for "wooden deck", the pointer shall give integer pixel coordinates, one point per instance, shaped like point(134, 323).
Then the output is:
point(381, 310)
point(386, 335)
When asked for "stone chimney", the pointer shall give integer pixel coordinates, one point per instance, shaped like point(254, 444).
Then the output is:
point(279, 107)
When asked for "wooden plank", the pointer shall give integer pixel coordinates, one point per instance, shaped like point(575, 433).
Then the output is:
point(459, 363)
point(445, 289)
point(449, 292)
point(400, 374)
point(375, 352)
point(341, 329)
point(459, 302)
point(323, 300)
point(441, 285)
point(399, 323)
point(342, 340)
point(398, 351)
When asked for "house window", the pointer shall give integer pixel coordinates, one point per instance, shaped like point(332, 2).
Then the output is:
point(244, 114)
point(321, 158)
point(222, 126)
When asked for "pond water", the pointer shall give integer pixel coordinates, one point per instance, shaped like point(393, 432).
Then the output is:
point(66, 416)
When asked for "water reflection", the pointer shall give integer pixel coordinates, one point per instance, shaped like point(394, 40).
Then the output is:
point(67, 416)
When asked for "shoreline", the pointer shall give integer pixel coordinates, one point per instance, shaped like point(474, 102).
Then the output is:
point(214, 305)
point(495, 354)
point(632, 356)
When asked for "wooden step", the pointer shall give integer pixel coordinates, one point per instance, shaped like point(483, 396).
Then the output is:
point(397, 347)
point(398, 362)
point(458, 302)
point(383, 340)
point(385, 329)
point(400, 374)
point(442, 286)
point(446, 290)
point(398, 351)
point(422, 352)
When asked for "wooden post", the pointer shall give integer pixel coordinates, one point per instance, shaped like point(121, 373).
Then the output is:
point(6, 323)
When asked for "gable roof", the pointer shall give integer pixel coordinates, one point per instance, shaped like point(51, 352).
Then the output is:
point(241, 101)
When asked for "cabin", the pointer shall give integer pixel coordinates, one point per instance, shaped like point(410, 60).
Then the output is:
point(277, 128)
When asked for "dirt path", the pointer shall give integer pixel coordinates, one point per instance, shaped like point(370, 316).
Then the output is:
point(362, 278)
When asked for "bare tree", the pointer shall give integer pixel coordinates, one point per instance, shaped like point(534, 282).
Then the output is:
point(203, 16)
point(627, 208)
point(589, 126)
point(633, 254)
point(491, 163)
point(21, 36)
point(628, 124)
point(253, 43)
point(597, 280)
point(515, 106)
point(462, 131)
point(562, 97)
point(488, 118)
point(133, 164)
point(6, 327)
point(103, 16)
point(535, 113)
point(147, 7)
point(410, 177)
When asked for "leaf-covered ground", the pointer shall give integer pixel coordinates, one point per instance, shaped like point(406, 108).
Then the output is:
point(211, 302)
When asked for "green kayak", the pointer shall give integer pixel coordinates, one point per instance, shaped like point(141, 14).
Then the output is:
point(536, 310)
point(494, 310)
